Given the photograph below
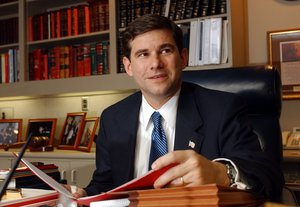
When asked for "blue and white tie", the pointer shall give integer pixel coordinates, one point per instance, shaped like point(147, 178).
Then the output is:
point(159, 146)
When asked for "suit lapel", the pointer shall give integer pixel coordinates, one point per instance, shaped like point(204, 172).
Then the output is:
point(127, 129)
point(188, 122)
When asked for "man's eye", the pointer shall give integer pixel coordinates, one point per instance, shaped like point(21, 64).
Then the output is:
point(142, 54)
point(166, 51)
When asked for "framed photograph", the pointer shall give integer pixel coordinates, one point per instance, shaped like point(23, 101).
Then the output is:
point(10, 131)
point(71, 131)
point(86, 141)
point(284, 55)
point(42, 128)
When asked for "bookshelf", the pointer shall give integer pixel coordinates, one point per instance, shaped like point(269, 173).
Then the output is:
point(237, 30)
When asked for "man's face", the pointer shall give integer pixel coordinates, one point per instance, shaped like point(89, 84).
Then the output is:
point(156, 64)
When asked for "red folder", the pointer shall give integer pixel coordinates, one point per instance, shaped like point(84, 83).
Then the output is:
point(144, 182)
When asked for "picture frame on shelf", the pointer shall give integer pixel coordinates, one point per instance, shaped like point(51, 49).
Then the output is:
point(86, 141)
point(71, 131)
point(10, 131)
point(284, 55)
point(42, 128)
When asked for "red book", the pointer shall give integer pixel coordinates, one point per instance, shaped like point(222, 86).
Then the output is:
point(53, 25)
point(54, 58)
point(30, 30)
point(74, 21)
point(6, 68)
point(31, 66)
point(41, 33)
point(67, 61)
point(61, 62)
point(144, 182)
point(69, 22)
point(87, 59)
point(46, 65)
point(58, 23)
point(71, 62)
point(87, 19)
point(37, 67)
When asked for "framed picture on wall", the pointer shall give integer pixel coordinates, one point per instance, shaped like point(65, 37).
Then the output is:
point(71, 131)
point(10, 131)
point(43, 128)
point(284, 55)
point(86, 141)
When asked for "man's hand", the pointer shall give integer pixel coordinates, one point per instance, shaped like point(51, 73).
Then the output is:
point(192, 170)
point(78, 192)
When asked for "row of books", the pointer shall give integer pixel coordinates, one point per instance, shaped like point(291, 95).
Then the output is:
point(9, 31)
point(69, 61)
point(208, 42)
point(9, 66)
point(173, 9)
point(69, 21)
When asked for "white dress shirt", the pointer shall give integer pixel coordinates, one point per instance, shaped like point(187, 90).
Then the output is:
point(143, 142)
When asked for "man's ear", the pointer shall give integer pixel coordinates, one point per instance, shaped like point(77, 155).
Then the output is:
point(127, 65)
point(184, 58)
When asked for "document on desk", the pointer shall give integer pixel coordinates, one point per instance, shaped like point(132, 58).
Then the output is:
point(144, 182)
point(31, 197)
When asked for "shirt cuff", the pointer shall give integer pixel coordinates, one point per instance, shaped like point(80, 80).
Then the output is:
point(239, 181)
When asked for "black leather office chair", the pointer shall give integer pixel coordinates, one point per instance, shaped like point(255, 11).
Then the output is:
point(260, 87)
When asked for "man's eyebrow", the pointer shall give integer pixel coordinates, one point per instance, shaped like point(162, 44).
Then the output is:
point(141, 51)
point(168, 45)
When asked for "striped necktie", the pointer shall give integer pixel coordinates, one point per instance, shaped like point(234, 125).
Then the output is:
point(159, 145)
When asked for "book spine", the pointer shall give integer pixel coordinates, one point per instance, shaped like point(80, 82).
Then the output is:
point(87, 59)
point(106, 57)
point(53, 24)
point(61, 62)
point(66, 61)
point(93, 59)
point(69, 22)
point(87, 19)
point(123, 13)
point(74, 20)
point(30, 28)
point(41, 32)
point(80, 65)
point(99, 54)
point(58, 24)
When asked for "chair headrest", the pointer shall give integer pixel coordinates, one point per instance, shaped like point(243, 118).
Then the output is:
point(259, 86)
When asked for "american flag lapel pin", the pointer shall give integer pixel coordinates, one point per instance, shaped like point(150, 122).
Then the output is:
point(191, 144)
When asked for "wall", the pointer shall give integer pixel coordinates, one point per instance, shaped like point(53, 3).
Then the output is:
point(59, 106)
point(268, 15)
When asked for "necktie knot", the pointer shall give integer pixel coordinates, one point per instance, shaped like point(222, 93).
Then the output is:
point(156, 118)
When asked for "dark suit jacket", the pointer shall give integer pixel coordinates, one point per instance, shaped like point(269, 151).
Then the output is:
point(215, 121)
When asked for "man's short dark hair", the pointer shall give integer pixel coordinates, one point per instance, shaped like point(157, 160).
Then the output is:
point(148, 23)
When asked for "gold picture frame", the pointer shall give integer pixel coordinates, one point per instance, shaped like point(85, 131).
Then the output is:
point(10, 131)
point(284, 55)
point(42, 128)
point(72, 131)
point(88, 135)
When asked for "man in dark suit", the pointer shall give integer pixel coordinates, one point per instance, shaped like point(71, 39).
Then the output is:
point(207, 131)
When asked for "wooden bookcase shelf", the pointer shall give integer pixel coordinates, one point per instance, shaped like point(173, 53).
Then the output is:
point(237, 47)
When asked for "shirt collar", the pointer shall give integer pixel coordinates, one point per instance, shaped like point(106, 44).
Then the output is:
point(168, 111)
